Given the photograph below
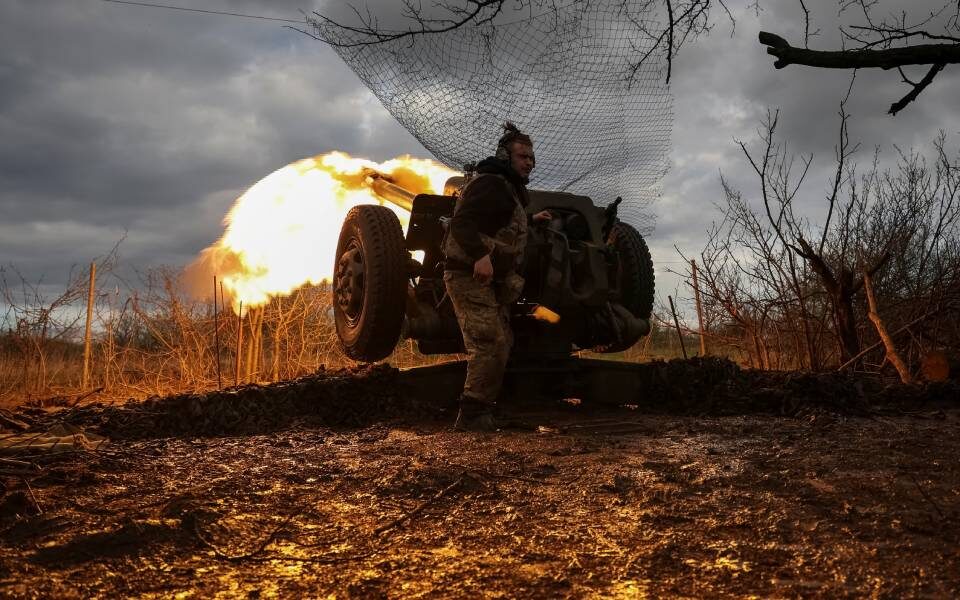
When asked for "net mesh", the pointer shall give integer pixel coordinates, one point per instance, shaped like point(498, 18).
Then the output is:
point(565, 76)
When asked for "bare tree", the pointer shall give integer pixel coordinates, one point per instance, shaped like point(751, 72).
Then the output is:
point(754, 291)
point(775, 273)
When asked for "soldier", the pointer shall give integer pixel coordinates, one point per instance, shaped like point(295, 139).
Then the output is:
point(484, 250)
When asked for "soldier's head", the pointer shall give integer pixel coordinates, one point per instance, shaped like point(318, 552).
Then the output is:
point(516, 149)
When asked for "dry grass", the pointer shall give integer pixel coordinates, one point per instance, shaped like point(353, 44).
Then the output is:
point(157, 340)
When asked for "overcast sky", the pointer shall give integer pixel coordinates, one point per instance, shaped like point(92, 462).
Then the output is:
point(122, 120)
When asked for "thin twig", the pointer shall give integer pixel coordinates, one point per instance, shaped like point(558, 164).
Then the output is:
point(322, 560)
point(256, 555)
point(85, 396)
point(917, 88)
point(186, 493)
point(490, 475)
point(925, 495)
point(32, 497)
point(421, 507)
point(247, 555)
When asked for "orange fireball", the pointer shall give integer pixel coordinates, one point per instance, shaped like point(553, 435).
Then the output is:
point(282, 233)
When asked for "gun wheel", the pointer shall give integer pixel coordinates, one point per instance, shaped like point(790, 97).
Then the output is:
point(369, 283)
point(636, 276)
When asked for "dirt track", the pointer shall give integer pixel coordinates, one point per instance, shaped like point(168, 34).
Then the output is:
point(572, 501)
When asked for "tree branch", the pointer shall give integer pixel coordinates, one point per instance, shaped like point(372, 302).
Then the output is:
point(890, 58)
point(669, 40)
point(806, 25)
point(369, 33)
point(917, 88)
point(874, 315)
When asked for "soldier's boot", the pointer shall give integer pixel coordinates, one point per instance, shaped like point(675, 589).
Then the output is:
point(474, 416)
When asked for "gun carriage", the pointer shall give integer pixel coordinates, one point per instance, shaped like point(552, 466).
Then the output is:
point(589, 279)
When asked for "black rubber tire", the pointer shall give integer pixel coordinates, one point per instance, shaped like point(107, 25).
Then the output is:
point(636, 270)
point(636, 276)
point(372, 332)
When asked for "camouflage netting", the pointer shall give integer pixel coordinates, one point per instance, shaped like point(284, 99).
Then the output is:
point(564, 76)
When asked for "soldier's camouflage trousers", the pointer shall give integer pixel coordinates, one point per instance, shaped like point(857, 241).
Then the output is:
point(486, 334)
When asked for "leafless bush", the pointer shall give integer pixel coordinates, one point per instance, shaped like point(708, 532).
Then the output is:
point(153, 338)
point(793, 290)
point(39, 330)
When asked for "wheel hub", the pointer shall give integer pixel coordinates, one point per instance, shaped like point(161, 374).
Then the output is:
point(348, 282)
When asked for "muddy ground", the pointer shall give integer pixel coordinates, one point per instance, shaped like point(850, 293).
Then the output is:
point(728, 483)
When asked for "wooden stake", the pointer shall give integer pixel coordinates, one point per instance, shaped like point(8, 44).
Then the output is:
point(696, 295)
point(236, 370)
point(258, 349)
point(110, 353)
point(251, 368)
point(216, 334)
point(276, 341)
point(86, 334)
point(676, 322)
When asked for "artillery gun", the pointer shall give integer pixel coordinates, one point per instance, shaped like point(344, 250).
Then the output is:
point(589, 280)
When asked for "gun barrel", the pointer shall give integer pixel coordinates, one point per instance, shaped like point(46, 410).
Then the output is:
point(390, 191)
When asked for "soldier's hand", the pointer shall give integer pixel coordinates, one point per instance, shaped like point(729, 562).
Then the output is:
point(543, 216)
point(483, 270)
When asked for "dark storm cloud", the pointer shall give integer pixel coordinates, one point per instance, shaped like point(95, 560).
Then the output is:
point(121, 119)
point(116, 119)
